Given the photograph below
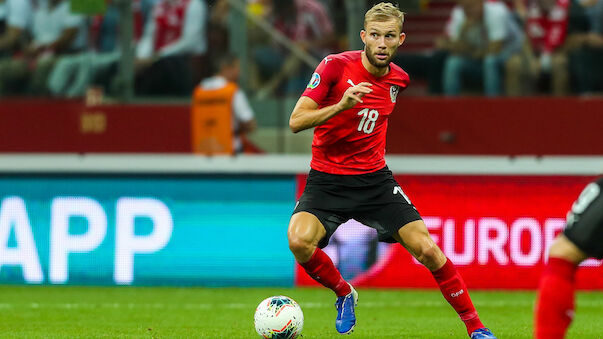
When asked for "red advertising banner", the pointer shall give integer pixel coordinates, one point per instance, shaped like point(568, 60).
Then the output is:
point(496, 229)
point(476, 126)
point(68, 126)
point(506, 126)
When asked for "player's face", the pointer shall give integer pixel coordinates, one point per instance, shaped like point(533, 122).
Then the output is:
point(381, 40)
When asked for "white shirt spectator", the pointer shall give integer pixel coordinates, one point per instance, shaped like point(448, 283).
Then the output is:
point(49, 24)
point(17, 13)
point(192, 40)
point(242, 111)
point(499, 23)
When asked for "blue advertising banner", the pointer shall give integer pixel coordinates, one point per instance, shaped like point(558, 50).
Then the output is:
point(146, 230)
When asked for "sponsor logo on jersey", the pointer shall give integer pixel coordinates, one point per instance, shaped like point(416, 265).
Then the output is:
point(393, 92)
point(314, 81)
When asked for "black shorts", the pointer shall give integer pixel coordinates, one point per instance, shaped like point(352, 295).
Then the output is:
point(374, 199)
point(585, 220)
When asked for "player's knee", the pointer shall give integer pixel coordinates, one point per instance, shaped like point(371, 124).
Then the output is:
point(557, 248)
point(427, 254)
point(562, 248)
point(430, 255)
point(300, 246)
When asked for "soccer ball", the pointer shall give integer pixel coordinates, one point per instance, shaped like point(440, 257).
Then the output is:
point(278, 317)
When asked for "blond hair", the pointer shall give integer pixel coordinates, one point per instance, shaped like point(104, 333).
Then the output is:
point(384, 11)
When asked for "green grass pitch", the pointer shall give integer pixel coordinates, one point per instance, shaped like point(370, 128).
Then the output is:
point(166, 312)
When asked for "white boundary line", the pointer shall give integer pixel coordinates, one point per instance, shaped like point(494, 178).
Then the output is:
point(292, 164)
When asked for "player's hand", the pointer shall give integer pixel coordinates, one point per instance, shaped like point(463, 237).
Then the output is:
point(354, 94)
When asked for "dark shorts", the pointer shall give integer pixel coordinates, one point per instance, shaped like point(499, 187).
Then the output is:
point(374, 199)
point(585, 220)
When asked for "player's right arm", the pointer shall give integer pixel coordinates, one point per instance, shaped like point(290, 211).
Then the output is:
point(306, 113)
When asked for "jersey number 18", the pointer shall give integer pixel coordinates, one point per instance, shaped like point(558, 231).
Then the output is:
point(367, 123)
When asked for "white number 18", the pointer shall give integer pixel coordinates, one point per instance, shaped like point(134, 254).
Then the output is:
point(367, 123)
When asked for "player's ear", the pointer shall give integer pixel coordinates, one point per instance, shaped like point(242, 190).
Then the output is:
point(402, 38)
point(363, 36)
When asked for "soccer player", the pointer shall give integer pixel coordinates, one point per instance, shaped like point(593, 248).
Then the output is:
point(582, 238)
point(348, 101)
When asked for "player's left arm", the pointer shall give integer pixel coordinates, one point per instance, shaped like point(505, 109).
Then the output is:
point(306, 113)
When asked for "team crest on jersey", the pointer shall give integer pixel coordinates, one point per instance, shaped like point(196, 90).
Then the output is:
point(314, 81)
point(393, 92)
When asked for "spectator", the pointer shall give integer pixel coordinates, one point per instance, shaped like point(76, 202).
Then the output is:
point(55, 31)
point(587, 61)
point(307, 24)
point(221, 114)
point(174, 34)
point(16, 17)
point(482, 37)
point(73, 74)
point(217, 30)
point(546, 50)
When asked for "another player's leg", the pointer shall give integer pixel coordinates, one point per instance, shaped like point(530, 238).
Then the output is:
point(581, 238)
point(305, 232)
point(555, 303)
point(415, 238)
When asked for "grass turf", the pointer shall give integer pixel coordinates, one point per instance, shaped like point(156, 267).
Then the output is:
point(162, 312)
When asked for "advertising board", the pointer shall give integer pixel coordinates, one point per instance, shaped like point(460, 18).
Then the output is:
point(146, 230)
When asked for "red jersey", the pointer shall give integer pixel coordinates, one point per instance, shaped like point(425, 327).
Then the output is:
point(169, 19)
point(547, 31)
point(353, 141)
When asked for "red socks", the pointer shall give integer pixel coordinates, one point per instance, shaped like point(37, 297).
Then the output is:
point(555, 303)
point(321, 268)
point(455, 291)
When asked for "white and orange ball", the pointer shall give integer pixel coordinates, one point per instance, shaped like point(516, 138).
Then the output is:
point(279, 317)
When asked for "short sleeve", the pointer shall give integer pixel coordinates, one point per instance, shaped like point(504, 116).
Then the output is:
point(325, 75)
point(405, 81)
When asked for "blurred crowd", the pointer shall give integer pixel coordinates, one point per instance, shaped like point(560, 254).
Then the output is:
point(46, 49)
point(519, 47)
point(492, 47)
